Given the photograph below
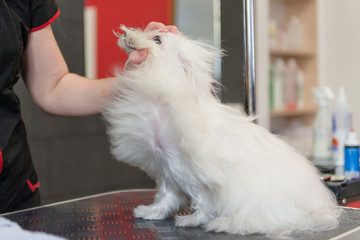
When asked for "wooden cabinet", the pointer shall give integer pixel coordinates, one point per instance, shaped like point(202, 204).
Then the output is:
point(281, 11)
point(280, 121)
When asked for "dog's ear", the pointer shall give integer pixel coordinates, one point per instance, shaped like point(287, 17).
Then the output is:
point(188, 69)
point(197, 62)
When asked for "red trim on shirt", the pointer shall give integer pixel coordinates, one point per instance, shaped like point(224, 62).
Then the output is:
point(47, 23)
point(33, 187)
point(1, 161)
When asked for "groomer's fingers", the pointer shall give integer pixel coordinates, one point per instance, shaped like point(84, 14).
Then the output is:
point(157, 25)
point(154, 25)
point(173, 29)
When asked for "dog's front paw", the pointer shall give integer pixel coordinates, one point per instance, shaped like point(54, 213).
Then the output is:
point(151, 212)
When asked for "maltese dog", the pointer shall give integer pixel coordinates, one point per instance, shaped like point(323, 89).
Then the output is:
point(235, 175)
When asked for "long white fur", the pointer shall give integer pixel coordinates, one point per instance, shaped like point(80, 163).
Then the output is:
point(238, 177)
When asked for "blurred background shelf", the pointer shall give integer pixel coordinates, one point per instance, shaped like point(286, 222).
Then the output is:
point(292, 53)
point(310, 112)
point(294, 125)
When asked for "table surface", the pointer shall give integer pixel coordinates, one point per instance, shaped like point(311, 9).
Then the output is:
point(109, 216)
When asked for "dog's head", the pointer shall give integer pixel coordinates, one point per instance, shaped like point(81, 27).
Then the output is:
point(174, 58)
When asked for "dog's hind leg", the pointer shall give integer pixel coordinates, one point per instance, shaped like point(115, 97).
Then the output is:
point(221, 224)
point(167, 201)
point(204, 212)
point(196, 219)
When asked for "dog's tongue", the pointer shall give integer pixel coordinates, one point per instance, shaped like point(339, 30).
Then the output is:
point(138, 56)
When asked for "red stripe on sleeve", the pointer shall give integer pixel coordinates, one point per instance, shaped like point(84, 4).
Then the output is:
point(47, 23)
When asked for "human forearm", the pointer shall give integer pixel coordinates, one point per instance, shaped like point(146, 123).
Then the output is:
point(59, 92)
point(52, 87)
point(74, 95)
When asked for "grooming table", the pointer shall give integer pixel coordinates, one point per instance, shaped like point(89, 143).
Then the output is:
point(109, 216)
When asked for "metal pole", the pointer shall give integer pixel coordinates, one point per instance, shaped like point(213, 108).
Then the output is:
point(249, 60)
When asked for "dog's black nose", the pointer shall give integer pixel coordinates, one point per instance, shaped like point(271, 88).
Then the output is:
point(129, 46)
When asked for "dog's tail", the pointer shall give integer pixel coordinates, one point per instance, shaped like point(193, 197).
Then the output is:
point(324, 219)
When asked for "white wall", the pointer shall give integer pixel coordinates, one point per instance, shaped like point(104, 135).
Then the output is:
point(339, 45)
point(200, 20)
point(195, 18)
point(262, 62)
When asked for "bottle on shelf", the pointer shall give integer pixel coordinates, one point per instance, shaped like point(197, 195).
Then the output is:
point(286, 85)
point(273, 34)
point(321, 153)
point(271, 87)
point(300, 81)
point(277, 81)
point(287, 35)
point(342, 124)
point(352, 155)
point(282, 37)
point(294, 85)
point(295, 33)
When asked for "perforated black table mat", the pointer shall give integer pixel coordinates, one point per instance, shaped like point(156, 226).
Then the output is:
point(109, 216)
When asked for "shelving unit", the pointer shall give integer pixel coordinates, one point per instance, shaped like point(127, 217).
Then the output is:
point(304, 112)
point(306, 57)
point(292, 53)
point(305, 10)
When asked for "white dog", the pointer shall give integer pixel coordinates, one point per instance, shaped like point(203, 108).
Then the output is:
point(237, 176)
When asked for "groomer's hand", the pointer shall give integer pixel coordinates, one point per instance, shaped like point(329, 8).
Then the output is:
point(156, 25)
point(138, 56)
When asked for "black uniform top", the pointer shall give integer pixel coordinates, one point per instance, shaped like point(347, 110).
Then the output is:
point(18, 18)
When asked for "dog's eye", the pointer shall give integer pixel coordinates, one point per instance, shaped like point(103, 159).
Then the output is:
point(157, 40)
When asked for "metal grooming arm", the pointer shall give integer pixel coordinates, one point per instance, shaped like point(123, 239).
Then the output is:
point(249, 57)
